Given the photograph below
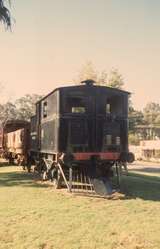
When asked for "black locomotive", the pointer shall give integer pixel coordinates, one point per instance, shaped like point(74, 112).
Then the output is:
point(79, 133)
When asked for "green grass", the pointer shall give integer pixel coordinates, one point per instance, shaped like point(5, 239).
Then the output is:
point(35, 216)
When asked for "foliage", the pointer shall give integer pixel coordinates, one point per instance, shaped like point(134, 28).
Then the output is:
point(87, 72)
point(26, 106)
point(152, 113)
point(111, 79)
point(135, 118)
point(146, 123)
point(5, 16)
point(115, 79)
point(7, 111)
point(133, 139)
point(22, 109)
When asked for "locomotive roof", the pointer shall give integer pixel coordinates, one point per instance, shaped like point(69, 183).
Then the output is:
point(83, 86)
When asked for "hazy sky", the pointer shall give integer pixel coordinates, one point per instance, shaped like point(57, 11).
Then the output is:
point(52, 39)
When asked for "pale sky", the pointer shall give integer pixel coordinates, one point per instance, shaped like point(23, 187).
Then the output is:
point(52, 39)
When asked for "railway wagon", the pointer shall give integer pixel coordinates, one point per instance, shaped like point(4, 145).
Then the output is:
point(16, 140)
point(79, 133)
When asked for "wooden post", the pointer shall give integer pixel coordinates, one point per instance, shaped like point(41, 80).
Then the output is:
point(65, 180)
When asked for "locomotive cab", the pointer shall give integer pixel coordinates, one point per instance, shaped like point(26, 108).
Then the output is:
point(94, 122)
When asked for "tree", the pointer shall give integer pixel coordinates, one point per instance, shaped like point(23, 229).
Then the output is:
point(152, 113)
point(22, 109)
point(135, 118)
point(144, 125)
point(111, 79)
point(25, 106)
point(5, 16)
point(7, 111)
point(115, 79)
point(87, 72)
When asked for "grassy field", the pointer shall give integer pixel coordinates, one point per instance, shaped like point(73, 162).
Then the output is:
point(35, 216)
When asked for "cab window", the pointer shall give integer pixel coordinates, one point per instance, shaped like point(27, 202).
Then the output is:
point(75, 105)
point(45, 109)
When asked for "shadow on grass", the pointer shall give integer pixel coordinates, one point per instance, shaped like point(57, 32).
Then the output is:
point(4, 164)
point(132, 186)
point(148, 170)
point(11, 179)
point(141, 186)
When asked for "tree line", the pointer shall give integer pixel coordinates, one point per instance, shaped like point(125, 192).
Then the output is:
point(139, 121)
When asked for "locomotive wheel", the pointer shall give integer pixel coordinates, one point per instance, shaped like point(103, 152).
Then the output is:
point(57, 180)
point(42, 170)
